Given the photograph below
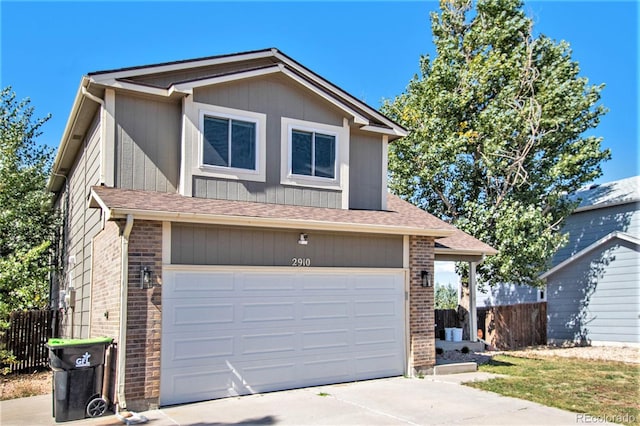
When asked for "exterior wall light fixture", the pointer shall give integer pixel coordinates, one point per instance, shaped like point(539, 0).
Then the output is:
point(303, 239)
point(426, 282)
point(145, 277)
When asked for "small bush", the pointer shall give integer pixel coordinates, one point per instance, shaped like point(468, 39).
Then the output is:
point(464, 350)
point(439, 351)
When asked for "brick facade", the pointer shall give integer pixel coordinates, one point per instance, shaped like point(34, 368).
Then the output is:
point(144, 320)
point(422, 351)
point(105, 287)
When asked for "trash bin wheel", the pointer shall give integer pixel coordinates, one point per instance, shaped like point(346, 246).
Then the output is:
point(96, 407)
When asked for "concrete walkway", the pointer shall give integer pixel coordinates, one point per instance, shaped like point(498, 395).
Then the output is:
point(435, 400)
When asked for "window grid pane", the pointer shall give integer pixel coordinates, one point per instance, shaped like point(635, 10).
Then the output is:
point(229, 143)
point(216, 142)
point(324, 156)
point(243, 149)
point(301, 153)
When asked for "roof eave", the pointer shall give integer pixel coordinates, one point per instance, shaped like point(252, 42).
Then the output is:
point(64, 142)
point(279, 223)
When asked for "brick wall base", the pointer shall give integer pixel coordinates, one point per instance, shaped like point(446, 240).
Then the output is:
point(422, 355)
point(144, 318)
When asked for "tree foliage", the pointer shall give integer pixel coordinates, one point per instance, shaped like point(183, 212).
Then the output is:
point(446, 297)
point(27, 219)
point(497, 122)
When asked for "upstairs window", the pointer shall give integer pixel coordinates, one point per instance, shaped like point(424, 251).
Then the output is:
point(313, 154)
point(229, 142)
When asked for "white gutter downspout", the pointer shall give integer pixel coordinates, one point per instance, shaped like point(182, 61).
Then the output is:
point(122, 337)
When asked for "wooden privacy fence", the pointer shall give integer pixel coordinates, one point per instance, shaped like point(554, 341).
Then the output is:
point(516, 326)
point(504, 327)
point(26, 336)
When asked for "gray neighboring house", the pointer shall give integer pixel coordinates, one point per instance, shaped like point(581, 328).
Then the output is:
point(227, 222)
point(593, 289)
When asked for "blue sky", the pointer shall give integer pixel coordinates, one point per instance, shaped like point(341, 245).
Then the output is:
point(371, 49)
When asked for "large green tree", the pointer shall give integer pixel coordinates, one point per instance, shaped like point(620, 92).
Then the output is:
point(27, 219)
point(497, 124)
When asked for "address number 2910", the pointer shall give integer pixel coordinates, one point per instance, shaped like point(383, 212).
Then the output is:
point(300, 261)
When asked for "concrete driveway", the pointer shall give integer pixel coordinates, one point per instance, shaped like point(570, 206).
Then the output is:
point(395, 401)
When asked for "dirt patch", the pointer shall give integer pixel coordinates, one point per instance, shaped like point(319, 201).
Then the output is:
point(24, 385)
point(607, 353)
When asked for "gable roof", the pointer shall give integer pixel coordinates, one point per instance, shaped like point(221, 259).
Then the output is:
point(611, 236)
point(608, 194)
point(173, 80)
point(401, 217)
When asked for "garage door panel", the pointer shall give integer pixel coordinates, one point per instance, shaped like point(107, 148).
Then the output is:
point(376, 336)
point(326, 339)
point(380, 283)
point(324, 284)
point(250, 332)
point(327, 309)
point(268, 313)
point(376, 365)
point(191, 350)
point(268, 343)
point(193, 284)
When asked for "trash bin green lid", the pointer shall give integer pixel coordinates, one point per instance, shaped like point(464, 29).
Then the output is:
point(65, 343)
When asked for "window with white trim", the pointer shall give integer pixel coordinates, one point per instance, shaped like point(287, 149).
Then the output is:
point(229, 142)
point(232, 143)
point(313, 154)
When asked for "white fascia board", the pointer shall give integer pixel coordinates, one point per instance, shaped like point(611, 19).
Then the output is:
point(71, 121)
point(357, 117)
point(280, 223)
point(96, 201)
point(101, 78)
point(135, 87)
point(613, 235)
point(385, 131)
point(188, 87)
point(334, 89)
point(449, 251)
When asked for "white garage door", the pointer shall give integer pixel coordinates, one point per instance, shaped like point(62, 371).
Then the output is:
point(233, 332)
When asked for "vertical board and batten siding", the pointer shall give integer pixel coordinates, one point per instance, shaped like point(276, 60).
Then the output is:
point(596, 297)
point(365, 171)
point(84, 223)
point(210, 245)
point(224, 189)
point(147, 143)
point(276, 96)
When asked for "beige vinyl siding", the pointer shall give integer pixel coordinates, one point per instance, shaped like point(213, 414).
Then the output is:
point(211, 245)
point(276, 96)
point(83, 225)
point(365, 171)
point(147, 143)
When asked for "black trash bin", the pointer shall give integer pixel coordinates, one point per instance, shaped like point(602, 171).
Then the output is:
point(78, 370)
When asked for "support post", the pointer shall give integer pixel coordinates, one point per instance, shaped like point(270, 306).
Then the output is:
point(473, 312)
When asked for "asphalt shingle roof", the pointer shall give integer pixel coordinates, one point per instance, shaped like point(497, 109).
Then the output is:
point(400, 215)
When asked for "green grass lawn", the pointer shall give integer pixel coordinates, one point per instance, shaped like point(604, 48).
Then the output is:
point(604, 389)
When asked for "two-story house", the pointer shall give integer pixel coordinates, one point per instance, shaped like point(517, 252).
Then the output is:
point(227, 222)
